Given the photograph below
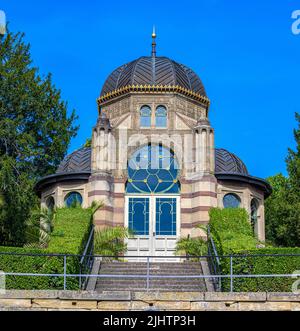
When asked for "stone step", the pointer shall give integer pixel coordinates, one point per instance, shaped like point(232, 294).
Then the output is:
point(173, 266)
point(153, 273)
point(153, 281)
point(157, 269)
point(153, 288)
point(105, 267)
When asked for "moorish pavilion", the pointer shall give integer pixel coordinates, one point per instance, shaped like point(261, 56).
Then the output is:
point(153, 161)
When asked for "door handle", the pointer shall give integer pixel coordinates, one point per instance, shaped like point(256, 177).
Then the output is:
point(153, 234)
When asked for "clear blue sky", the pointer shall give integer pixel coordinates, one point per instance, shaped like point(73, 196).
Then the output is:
point(244, 52)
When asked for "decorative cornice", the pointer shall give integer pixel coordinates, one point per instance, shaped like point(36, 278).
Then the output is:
point(153, 89)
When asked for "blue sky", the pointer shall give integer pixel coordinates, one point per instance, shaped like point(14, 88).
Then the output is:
point(244, 52)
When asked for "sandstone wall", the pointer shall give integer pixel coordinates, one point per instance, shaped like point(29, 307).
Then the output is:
point(139, 301)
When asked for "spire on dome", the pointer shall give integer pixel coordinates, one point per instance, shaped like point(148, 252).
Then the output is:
point(153, 42)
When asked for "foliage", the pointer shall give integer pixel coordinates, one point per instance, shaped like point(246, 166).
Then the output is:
point(231, 229)
point(88, 143)
point(71, 231)
point(282, 212)
point(39, 227)
point(111, 241)
point(191, 247)
point(261, 265)
point(35, 132)
point(293, 162)
point(282, 208)
point(232, 234)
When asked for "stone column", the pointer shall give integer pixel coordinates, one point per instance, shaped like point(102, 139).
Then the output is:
point(200, 187)
point(101, 180)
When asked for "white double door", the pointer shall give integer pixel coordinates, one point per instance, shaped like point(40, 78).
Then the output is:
point(155, 222)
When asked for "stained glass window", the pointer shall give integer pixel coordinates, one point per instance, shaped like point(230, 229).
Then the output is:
point(166, 216)
point(161, 117)
point(145, 117)
point(50, 203)
point(73, 199)
point(254, 211)
point(138, 221)
point(231, 201)
point(153, 169)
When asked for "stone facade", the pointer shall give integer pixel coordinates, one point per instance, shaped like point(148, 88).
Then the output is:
point(188, 133)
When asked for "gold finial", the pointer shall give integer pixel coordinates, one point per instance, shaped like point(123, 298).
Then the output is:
point(153, 33)
point(153, 42)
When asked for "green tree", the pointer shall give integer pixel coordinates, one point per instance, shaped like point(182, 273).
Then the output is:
point(35, 131)
point(293, 162)
point(88, 143)
point(283, 206)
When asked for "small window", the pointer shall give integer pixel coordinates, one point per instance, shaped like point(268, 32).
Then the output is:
point(50, 203)
point(254, 214)
point(161, 117)
point(231, 201)
point(145, 117)
point(73, 199)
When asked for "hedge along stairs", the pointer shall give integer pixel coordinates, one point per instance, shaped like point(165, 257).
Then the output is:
point(71, 231)
point(176, 284)
point(233, 235)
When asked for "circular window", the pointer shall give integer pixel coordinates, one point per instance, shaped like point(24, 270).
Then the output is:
point(50, 203)
point(73, 199)
point(231, 201)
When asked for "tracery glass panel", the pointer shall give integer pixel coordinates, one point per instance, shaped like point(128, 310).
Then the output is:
point(254, 214)
point(166, 216)
point(145, 117)
point(153, 169)
point(161, 117)
point(50, 203)
point(231, 201)
point(138, 214)
point(73, 199)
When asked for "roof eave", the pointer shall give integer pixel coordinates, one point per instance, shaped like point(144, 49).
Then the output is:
point(258, 182)
point(60, 177)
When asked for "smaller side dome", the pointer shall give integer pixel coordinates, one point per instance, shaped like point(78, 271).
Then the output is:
point(78, 161)
point(229, 163)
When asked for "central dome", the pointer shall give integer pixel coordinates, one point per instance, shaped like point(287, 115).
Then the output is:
point(154, 71)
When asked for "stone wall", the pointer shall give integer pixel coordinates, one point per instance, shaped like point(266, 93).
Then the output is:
point(135, 301)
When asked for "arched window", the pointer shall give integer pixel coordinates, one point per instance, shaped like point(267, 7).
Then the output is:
point(153, 169)
point(145, 117)
point(231, 200)
point(73, 199)
point(50, 203)
point(254, 214)
point(161, 117)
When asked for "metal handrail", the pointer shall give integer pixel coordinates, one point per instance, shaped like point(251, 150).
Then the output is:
point(144, 257)
point(84, 254)
point(148, 276)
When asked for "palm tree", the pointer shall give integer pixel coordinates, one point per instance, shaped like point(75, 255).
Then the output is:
point(192, 246)
point(111, 241)
point(39, 227)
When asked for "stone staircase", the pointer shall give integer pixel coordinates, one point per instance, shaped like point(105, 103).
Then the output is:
point(157, 284)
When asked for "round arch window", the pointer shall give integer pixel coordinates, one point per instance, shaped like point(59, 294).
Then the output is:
point(254, 213)
point(153, 169)
point(231, 200)
point(145, 117)
point(73, 199)
point(161, 117)
point(50, 203)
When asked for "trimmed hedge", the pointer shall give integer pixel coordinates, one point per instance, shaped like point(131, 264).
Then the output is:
point(231, 230)
point(232, 233)
point(262, 265)
point(71, 230)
